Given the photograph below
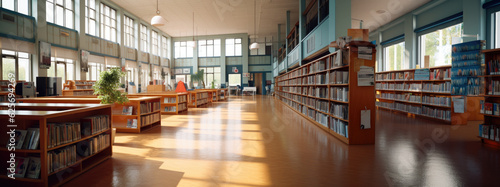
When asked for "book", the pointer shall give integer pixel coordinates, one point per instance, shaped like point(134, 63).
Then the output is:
point(28, 139)
point(21, 166)
point(34, 168)
point(128, 110)
point(35, 138)
point(134, 123)
point(20, 135)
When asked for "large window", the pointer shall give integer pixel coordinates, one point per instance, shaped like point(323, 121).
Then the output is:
point(437, 45)
point(108, 23)
point(211, 74)
point(94, 70)
point(394, 57)
point(144, 38)
point(154, 42)
point(60, 12)
point(233, 47)
point(182, 49)
point(90, 17)
point(63, 68)
point(209, 48)
point(21, 69)
point(21, 6)
point(164, 47)
point(129, 32)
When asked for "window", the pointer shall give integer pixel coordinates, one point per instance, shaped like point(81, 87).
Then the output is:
point(234, 79)
point(182, 50)
point(63, 68)
point(154, 42)
point(164, 46)
point(211, 74)
point(394, 57)
point(60, 12)
point(94, 71)
point(90, 18)
point(108, 23)
point(17, 63)
point(21, 6)
point(209, 48)
point(144, 38)
point(233, 47)
point(129, 32)
point(184, 78)
point(437, 45)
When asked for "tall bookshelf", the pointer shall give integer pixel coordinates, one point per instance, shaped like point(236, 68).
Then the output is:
point(419, 92)
point(197, 98)
point(36, 116)
point(326, 92)
point(489, 130)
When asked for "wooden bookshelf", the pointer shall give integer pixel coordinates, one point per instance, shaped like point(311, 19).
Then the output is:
point(197, 98)
point(490, 128)
point(170, 100)
point(213, 94)
point(418, 95)
point(34, 115)
point(223, 94)
point(120, 120)
point(80, 88)
point(312, 90)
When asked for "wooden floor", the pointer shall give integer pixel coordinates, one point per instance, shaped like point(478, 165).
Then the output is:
point(257, 141)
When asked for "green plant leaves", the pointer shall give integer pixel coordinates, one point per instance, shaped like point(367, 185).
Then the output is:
point(106, 87)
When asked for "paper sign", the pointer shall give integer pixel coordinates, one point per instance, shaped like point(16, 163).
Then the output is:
point(366, 76)
point(459, 105)
point(365, 119)
point(365, 53)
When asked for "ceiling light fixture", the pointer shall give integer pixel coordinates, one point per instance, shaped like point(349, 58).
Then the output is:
point(254, 45)
point(158, 20)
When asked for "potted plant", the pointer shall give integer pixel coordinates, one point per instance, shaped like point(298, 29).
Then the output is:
point(106, 87)
point(198, 77)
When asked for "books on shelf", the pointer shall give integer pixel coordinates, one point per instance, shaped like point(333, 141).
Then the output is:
point(169, 100)
point(340, 110)
point(322, 119)
point(339, 93)
point(422, 74)
point(466, 67)
point(490, 108)
point(339, 126)
point(444, 87)
point(94, 124)
point(339, 77)
point(147, 107)
point(93, 145)
point(61, 158)
point(149, 119)
point(127, 110)
point(170, 109)
point(21, 166)
point(20, 136)
point(132, 123)
point(34, 167)
point(62, 133)
point(491, 132)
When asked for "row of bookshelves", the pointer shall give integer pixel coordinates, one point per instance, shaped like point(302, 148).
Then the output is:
point(490, 108)
point(337, 110)
point(328, 63)
point(414, 75)
point(334, 77)
point(431, 112)
point(491, 132)
point(444, 87)
point(339, 126)
point(420, 99)
point(182, 98)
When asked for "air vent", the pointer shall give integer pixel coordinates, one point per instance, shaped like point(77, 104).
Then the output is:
point(9, 18)
point(311, 42)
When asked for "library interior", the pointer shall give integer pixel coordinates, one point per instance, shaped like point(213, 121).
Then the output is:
point(249, 93)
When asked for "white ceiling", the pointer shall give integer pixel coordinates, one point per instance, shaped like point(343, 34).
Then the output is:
point(213, 17)
point(366, 10)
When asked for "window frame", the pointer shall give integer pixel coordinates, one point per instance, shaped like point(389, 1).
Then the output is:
point(104, 25)
point(16, 6)
point(420, 53)
point(64, 8)
point(16, 56)
point(144, 38)
point(129, 32)
point(88, 9)
point(164, 46)
point(154, 43)
point(183, 46)
point(234, 46)
point(403, 57)
point(206, 45)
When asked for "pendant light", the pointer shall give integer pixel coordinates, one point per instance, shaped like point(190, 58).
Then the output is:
point(193, 44)
point(157, 20)
point(254, 45)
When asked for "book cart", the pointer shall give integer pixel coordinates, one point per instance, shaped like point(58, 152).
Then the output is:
point(144, 113)
point(326, 92)
point(172, 102)
point(55, 154)
point(197, 98)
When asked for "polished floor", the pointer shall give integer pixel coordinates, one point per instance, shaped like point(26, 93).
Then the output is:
point(257, 141)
